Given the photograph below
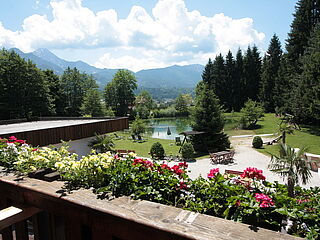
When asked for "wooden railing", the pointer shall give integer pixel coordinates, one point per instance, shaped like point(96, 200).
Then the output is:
point(43, 137)
point(51, 213)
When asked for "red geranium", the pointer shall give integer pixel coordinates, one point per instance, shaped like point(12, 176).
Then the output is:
point(264, 200)
point(213, 172)
point(253, 173)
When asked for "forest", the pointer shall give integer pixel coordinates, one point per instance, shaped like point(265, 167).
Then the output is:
point(283, 80)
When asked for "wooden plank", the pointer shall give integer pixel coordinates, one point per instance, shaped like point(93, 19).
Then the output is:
point(7, 234)
point(12, 215)
point(21, 230)
point(127, 219)
point(43, 137)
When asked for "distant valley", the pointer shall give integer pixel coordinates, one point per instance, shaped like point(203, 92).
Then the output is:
point(173, 77)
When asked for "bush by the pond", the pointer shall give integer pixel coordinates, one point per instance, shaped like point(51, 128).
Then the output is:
point(187, 151)
point(257, 142)
point(247, 198)
point(157, 151)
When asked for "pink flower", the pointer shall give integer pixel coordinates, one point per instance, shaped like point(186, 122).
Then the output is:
point(183, 185)
point(253, 173)
point(12, 139)
point(165, 166)
point(142, 162)
point(213, 172)
point(264, 200)
point(176, 169)
point(20, 141)
point(238, 203)
point(302, 200)
point(183, 164)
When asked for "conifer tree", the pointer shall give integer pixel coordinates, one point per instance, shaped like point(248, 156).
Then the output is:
point(252, 68)
point(269, 75)
point(306, 16)
point(218, 84)
point(207, 117)
point(207, 74)
point(229, 92)
point(239, 82)
point(306, 102)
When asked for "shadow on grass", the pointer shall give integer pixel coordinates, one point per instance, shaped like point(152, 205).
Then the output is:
point(313, 130)
point(254, 127)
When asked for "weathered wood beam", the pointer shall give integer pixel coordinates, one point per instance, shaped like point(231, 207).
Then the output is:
point(12, 215)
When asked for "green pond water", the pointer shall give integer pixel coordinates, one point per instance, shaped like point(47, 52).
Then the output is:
point(158, 128)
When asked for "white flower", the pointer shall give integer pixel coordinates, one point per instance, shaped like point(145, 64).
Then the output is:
point(33, 168)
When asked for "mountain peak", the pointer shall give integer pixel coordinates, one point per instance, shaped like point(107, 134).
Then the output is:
point(45, 53)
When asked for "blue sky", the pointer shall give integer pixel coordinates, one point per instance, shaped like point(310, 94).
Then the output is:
point(142, 34)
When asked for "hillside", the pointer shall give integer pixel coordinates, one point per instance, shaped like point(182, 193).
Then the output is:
point(165, 78)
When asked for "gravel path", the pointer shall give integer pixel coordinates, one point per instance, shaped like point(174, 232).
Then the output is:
point(245, 156)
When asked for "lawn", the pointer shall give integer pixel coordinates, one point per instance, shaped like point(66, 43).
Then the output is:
point(299, 139)
point(308, 137)
point(143, 148)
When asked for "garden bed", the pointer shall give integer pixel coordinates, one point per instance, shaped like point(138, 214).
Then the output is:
point(248, 198)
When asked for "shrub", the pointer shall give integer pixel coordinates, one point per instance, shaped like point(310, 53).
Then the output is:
point(138, 126)
point(102, 143)
point(187, 151)
point(257, 142)
point(157, 151)
point(252, 112)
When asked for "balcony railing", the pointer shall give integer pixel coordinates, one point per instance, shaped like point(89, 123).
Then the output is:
point(46, 211)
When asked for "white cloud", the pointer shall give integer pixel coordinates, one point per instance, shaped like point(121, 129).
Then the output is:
point(171, 34)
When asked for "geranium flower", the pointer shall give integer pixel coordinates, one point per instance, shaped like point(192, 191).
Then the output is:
point(183, 185)
point(213, 172)
point(253, 173)
point(12, 139)
point(176, 169)
point(264, 200)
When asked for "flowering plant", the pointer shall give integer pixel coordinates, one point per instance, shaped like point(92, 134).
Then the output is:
point(253, 173)
point(247, 198)
point(264, 200)
point(213, 173)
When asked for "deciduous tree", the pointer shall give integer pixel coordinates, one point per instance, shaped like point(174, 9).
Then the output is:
point(119, 93)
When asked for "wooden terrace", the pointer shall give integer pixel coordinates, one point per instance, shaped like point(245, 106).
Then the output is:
point(53, 130)
point(51, 213)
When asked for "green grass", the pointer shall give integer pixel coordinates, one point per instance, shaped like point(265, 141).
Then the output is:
point(299, 139)
point(142, 149)
point(231, 124)
point(268, 124)
point(308, 137)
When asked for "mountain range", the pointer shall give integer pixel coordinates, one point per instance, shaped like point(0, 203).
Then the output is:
point(169, 77)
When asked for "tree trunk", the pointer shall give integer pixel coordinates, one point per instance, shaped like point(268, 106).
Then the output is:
point(290, 187)
point(284, 137)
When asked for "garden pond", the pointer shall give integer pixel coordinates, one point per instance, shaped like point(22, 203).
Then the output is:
point(168, 128)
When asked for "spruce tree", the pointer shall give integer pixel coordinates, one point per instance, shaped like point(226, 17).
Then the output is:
point(306, 16)
point(252, 68)
point(269, 75)
point(207, 74)
point(283, 87)
point(218, 84)
point(230, 100)
point(239, 82)
point(207, 117)
point(306, 103)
